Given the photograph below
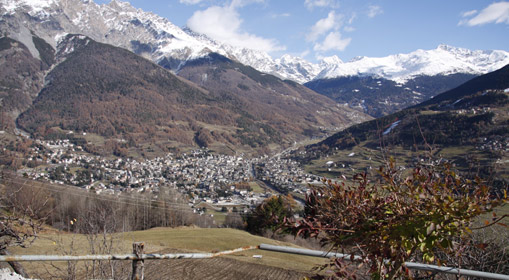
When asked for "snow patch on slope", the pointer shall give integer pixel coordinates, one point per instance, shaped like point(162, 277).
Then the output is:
point(393, 126)
point(7, 274)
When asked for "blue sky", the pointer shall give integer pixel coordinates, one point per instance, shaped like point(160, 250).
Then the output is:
point(347, 28)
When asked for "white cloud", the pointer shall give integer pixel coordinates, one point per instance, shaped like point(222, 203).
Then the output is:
point(352, 18)
point(242, 3)
point(332, 21)
point(469, 13)
point(333, 41)
point(373, 11)
point(310, 4)
point(349, 29)
point(224, 24)
point(330, 26)
point(190, 2)
point(494, 13)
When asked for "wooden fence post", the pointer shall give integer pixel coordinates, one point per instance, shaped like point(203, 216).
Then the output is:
point(138, 265)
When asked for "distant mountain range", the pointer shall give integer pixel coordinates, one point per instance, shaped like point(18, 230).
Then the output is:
point(144, 33)
point(376, 86)
point(380, 86)
point(444, 60)
point(378, 96)
point(120, 24)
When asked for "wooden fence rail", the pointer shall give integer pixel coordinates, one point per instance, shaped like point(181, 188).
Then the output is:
point(409, 265)
point(138, 257)
point(124, 257)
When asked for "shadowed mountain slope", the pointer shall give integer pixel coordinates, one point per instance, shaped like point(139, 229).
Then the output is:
point(378, 96)
point(290, 108)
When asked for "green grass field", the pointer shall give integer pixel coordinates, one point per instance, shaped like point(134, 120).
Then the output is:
point(256, 188)
point(219, 216)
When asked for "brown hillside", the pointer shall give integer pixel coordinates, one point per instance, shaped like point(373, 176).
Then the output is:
point(112, 92)
point(292, 109)
point(115, 93)
point(21, 78)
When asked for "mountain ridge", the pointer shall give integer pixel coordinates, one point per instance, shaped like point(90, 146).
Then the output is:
point(493, 80)
point(444, 60)
point(120, 24)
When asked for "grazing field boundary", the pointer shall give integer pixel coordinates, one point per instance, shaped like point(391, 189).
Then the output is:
point(138, 258)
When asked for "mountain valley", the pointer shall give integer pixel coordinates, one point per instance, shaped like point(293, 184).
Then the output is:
point(118, 126)
point(116, 80)
point(267, 110)
point(134, 85)
point(144, 33)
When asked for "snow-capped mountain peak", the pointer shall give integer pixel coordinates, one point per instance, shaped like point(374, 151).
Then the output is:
point(331, 60)
point(33, 5)
point(147, 34)
point(443, 60)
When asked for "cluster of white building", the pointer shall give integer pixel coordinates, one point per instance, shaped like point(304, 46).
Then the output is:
point(203, 177)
